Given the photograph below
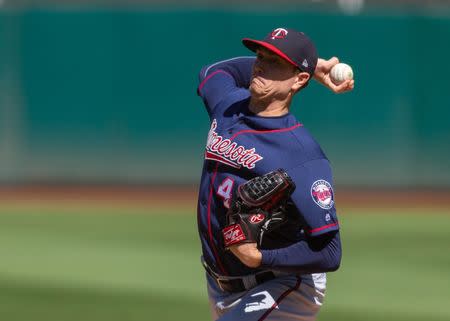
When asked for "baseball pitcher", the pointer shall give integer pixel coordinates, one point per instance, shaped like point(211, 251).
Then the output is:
point(266, 213)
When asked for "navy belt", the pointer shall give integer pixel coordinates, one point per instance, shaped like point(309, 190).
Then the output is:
point(239, 284)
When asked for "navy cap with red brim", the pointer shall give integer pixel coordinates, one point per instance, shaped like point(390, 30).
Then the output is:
point(253, 45)
point(293, 46)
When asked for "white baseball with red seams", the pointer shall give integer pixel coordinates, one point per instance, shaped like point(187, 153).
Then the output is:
point(340, 73)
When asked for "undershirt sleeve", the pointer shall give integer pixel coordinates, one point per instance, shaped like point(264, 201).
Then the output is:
point(314, 255)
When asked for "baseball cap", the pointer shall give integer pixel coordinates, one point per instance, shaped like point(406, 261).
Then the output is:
point(292, 45)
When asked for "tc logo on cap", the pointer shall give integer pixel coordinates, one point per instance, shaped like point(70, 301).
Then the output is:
point(279, 33)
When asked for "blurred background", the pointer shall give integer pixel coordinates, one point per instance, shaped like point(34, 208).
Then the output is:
point(102, 138)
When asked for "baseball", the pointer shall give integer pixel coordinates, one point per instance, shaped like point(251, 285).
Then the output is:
point(341, 72)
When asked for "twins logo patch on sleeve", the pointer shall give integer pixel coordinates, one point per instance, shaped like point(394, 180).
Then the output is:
point(322, 194)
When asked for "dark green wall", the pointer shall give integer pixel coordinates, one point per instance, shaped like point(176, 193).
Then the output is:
point(109, 95)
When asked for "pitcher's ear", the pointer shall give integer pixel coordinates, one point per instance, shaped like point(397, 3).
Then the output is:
point(301, 79)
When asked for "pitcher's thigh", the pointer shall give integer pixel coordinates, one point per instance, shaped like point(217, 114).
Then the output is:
point(280, 299)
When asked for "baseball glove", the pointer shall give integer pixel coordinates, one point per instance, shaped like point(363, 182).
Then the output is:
point(257, 208)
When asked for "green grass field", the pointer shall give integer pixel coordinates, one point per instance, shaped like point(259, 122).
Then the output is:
point(129, 265)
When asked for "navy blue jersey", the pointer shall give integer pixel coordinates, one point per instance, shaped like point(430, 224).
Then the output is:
point(241, 145)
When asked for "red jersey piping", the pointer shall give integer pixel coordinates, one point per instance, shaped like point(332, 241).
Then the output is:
point(323, 228)
point(254, 131)
point(209, 76)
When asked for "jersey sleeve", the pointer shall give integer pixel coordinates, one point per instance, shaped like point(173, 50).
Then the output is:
point(314, 196)
point(226, 80)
